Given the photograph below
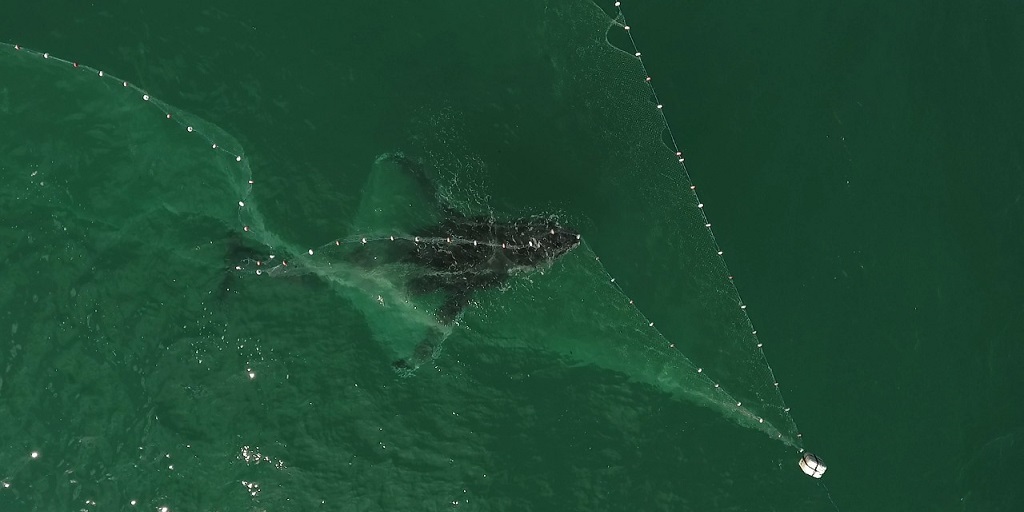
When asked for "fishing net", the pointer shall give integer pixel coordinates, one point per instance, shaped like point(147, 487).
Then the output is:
point(598, 99)
point(349, 305)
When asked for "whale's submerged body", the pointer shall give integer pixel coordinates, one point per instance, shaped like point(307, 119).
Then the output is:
point(416, 262)
point(457, 255)
point(487, 253)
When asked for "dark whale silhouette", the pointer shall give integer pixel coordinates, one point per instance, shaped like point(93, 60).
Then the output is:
point(489, 251)
point(462, 254)
point(414, 241)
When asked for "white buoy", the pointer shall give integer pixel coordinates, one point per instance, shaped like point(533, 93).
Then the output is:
point(811, 465)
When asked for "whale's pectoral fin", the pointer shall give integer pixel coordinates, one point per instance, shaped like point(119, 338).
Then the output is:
point(460, 288)
point(454, 303)
point(398, 197)
point(426, 351)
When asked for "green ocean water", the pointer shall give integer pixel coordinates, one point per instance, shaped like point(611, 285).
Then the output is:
point(860, 162)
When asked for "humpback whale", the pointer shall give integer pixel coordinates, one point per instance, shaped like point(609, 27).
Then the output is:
point(499, 249)
point(415, 261)
point(460, 255)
